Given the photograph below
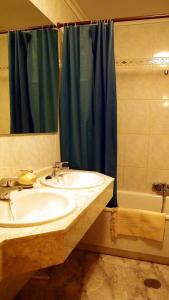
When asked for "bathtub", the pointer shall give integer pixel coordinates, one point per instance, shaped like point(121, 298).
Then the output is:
point(145, 201)
point(99, 238)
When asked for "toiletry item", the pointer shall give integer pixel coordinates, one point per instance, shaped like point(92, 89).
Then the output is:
point(27, 178)
point(48, 177)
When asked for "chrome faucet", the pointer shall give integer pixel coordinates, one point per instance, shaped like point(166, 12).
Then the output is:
point(8, 185)
point(7, 182)
point(58, 167)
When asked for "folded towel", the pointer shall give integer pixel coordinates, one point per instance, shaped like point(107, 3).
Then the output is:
point(138, 223)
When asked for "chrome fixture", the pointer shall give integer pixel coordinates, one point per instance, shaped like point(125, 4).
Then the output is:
point(8, 185)
point(7, 182)
point(4, 195)
point(58, 167)
point(161, 188)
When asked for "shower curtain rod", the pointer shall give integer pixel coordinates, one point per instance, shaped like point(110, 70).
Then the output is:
point(28, 28)
point(136, 18)
point(59, 25)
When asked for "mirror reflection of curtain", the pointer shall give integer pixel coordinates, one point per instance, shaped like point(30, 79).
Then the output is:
point(33, 71)
point(88, 113)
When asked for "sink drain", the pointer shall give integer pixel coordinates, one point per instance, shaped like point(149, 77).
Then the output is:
point(152, 283)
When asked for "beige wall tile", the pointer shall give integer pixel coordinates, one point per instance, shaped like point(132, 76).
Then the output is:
point(121, 117)
point(133, 116)
point(134, 179)
point(143, 106)
point(142, 82)
point(135, 82)
point(161, 33)
point(136, 147)
point(159, 117)
point(134, 40)
point(159, 84)
point(29, 151)
point(158, 152)
point(121, 149)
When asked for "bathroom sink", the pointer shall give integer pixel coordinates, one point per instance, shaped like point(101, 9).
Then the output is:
point(74, 180)
point(35, 206)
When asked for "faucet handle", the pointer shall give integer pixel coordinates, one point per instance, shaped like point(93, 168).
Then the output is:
point(65, 165)
point(57, 165)
point(7, 182)
point(61, 165)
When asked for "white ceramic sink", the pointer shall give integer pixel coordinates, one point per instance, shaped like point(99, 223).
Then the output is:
point(35, 206)
point(74, 180)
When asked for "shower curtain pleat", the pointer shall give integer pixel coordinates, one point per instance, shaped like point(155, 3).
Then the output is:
point(88, 114)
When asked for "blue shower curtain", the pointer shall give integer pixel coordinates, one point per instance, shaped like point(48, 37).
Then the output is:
point(88, 114)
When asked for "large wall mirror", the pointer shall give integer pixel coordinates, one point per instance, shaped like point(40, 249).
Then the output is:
point(17, 14)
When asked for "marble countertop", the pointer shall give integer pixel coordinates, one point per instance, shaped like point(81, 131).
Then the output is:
point(26, 249)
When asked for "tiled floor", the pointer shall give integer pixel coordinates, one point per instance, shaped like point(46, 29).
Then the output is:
point(90, 276)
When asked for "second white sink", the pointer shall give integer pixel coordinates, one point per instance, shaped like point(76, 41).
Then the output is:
point(74, 180)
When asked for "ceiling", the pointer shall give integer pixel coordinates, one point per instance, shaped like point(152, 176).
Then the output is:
point(101, 9)
point(20, 14)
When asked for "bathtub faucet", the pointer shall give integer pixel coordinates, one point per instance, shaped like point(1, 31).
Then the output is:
point(161, 188)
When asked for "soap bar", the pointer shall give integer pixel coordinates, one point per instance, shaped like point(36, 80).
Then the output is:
point(26, 178)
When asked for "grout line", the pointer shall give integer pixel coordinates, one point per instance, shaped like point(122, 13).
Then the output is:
point(148, 148)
